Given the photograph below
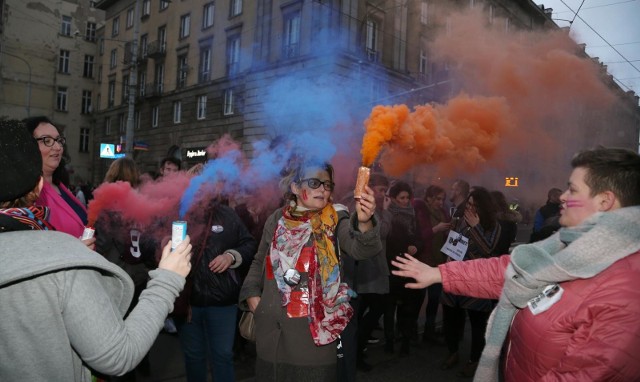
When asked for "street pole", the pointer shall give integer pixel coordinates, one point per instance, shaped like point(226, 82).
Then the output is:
point(133, 82)
point(28, 108)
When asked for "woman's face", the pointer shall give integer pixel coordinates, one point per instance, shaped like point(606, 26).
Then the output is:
point(402, 199)
point(313, 198)
point(471, 205)
point(51, 156)
point(577, 202)
point(436, 202)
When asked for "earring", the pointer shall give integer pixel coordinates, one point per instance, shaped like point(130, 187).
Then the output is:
point(292, 203)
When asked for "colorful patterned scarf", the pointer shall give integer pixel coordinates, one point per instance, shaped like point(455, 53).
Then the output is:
point(30, 218)
point(329, 310)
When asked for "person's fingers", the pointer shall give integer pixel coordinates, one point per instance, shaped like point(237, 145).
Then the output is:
point(413, 286)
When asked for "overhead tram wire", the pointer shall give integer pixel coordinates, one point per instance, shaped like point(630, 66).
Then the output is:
point(605, 40)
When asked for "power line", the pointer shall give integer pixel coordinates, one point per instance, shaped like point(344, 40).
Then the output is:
point(603, 39)
point(600, 6)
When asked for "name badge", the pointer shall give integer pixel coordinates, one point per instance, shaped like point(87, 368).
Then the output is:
point(456, 246)
point(549, 296)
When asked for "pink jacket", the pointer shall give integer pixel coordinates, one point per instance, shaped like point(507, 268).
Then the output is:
point(591, 334)
point(61, 215)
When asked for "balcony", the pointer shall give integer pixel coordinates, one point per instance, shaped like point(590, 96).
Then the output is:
point(153, 90)
point(156, 49)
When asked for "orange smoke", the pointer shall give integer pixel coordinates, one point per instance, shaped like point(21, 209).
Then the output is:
point(462, 134)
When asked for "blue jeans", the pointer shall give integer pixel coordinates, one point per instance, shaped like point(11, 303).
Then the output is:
point(209, 336)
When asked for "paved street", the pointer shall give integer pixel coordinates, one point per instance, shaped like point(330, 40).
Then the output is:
point(424, 360)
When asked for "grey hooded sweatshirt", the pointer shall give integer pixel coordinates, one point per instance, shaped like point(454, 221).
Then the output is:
point(62, 307)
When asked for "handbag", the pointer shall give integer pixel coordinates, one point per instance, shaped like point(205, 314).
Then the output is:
point(247, 326)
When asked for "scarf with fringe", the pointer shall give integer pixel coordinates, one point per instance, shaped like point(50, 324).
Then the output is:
point(579, 252)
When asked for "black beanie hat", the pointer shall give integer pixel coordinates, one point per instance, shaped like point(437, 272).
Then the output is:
point(20, 161)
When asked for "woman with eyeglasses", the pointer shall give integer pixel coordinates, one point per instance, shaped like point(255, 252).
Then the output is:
point(483, 231)
point(295, 286)
point(67, 214)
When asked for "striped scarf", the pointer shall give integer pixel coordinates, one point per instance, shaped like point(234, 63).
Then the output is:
point(572, 253)
point(329, 310)
point(29, 218)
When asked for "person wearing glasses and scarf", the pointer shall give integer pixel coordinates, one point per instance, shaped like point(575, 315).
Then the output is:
point(67, 214)
point(568, 308)
point(295, 287)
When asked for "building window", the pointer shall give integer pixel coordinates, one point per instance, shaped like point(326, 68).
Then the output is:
point(424, 13)
point(236, 8)
point(372, 40)
point(113, 62)
point(101, 46)
point(183, 68)
point(207, 15)
point(86, 102)
point(491, 15)
point(61, 99)
point(144, 42)
point(162, 38)
point(63, 61)
point(84, 140)
point(228, 102)
point(423, 63)
point(185, 25)
point(201, 109)
point(177, 111)
point(125, 87)
point(111, 95)
point(136, 120)
point(164, 4)
point(292, 35)
point(87, 72)
point(155, 113)
point(205, 64)
point(233, 55)
point(146, 7)
point(122, 122)
point(99, 74)
point(159, 78)
point(142, 77)
point(98, 100)
point(115, 26)
point(107, 126)
point(65, 29)
point(90, 32)
point(130, 16)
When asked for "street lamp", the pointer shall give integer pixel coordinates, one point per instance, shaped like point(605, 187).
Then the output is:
point(29, 83)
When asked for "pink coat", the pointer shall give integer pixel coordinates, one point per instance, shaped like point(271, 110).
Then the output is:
point(591, 334)
point(61, 215)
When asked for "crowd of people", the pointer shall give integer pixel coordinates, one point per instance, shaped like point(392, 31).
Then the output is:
point(319, 276)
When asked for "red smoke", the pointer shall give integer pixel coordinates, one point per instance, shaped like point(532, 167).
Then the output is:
point(154, 200)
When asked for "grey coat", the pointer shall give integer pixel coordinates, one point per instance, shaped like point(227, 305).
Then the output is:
point(285, 349)
point(62, 307)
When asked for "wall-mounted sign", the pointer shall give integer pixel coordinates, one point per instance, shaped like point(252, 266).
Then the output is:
point(108, 151)
point(511, 182)
point(196, 153)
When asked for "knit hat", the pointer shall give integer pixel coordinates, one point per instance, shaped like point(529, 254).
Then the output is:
point(20, 161)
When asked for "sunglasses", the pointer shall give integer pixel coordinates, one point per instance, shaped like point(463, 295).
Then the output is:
point(49, 141)
point(315, 183)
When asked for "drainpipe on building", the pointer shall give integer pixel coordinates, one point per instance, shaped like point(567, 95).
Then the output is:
point(133, 82)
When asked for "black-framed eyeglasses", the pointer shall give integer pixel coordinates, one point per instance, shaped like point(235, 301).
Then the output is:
point(314, 183)
point(49, 141)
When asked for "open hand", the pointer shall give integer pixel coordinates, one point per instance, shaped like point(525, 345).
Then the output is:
point(409, 266)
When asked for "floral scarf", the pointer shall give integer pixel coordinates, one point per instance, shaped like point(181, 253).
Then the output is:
point(329, 310)
point(29, 218)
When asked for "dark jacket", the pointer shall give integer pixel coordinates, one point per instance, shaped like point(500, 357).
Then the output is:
point(226, 233)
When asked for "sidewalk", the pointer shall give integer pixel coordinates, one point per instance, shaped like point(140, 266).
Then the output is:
point(424, 361)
